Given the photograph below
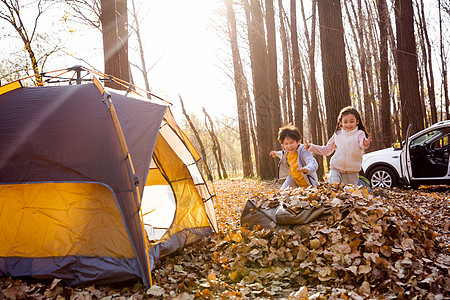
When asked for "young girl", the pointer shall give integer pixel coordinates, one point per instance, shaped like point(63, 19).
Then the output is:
point(295, 160)
point(349, 140)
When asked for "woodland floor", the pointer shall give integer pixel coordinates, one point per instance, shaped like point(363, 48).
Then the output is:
point(393, 244)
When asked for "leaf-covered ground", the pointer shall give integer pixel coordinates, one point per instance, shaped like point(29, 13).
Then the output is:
point(390, 244)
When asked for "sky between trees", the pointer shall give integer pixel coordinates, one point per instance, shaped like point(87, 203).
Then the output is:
point(181, 43)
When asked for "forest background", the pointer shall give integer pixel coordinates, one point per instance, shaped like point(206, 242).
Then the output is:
point(238, 70)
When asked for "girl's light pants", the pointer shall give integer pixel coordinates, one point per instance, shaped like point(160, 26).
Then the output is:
point(346, 178)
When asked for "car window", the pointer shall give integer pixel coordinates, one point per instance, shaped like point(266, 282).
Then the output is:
point(425, 137)
point(442, 142)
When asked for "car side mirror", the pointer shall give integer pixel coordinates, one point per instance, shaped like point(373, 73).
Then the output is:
point(397, 146)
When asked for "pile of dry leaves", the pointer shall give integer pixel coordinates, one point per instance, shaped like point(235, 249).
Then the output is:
point(379, 248)
point(385, 244)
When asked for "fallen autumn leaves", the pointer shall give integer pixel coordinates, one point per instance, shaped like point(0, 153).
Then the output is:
point(384, 246)
point(380, 249)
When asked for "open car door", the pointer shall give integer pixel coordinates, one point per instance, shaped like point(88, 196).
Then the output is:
point(405, 159)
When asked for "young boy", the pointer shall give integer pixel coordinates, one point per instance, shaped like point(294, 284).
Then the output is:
point(297, 163)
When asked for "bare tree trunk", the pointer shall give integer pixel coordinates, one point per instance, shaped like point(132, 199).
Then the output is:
point(252, 122)
point(290, 91)
point(216, 157)
point(143, 67)
point(122, 32)
point(322, 118)
point(422, 70)
point(110, 41)
point(395, 99)
point(359, 41)
point(251, 118)
point(372, 74)
point(285, 53)
point(444, 69)
point(398, 131)
point(194, 130)
point(316, 129)
point(334, 64)
point(393, 81)
point(392, 42)
point(428, 73)
point(385, 103)
point(274, 95)
point(422, 84)
point(239, 87)
point(216, 144)
point(358, 102)
point(258, 57)
point(307, 103)
point(407, 67)
point(298, 91)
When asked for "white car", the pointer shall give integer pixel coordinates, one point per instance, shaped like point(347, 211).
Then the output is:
point(422, 158)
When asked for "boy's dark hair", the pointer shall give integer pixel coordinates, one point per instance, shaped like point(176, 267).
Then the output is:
point(350, 110)
point(289, 131)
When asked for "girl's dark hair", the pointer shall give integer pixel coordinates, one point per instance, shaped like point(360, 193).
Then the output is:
point(350, 110)
point(289, 131)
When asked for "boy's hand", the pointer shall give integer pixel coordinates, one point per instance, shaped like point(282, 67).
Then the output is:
point(303, 170)
point(273, 153)
point(306, 145)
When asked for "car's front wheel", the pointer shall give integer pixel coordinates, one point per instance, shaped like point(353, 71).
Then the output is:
point(382, 177)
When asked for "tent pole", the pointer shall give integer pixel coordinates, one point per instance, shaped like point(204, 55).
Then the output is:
point(134, 182)
point(146, 246)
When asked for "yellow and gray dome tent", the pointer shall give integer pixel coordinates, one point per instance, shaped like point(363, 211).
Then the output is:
point(86, 176)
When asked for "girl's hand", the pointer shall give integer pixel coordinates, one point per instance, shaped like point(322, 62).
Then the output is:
point(306, 145)
point(366, 142)
point(273, 153)
point(303, 170)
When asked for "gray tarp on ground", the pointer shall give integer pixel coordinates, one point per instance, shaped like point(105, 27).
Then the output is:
point(281, 218)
